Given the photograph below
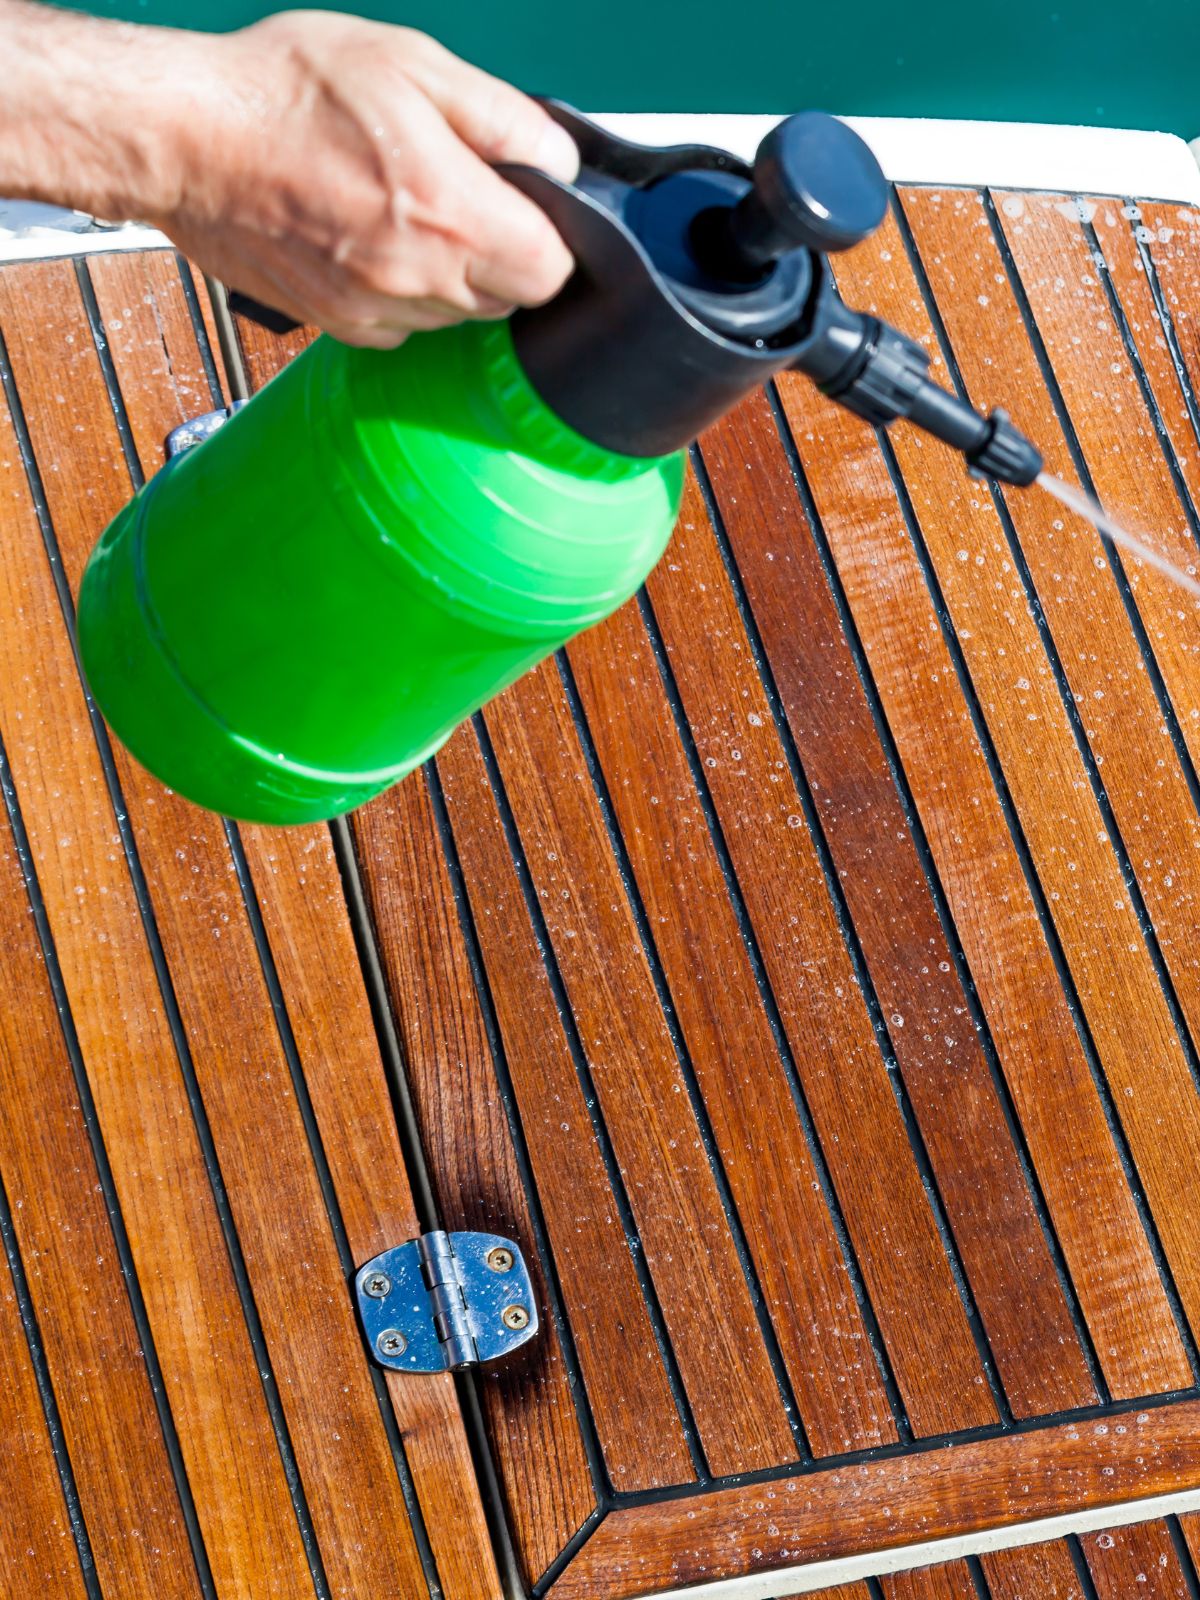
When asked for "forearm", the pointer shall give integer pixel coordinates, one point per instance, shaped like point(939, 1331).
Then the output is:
point(93, 114)
point(340, 170)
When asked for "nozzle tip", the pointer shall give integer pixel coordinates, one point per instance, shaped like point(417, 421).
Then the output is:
point(1005, 454)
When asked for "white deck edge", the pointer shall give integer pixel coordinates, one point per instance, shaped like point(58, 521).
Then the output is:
point(1018, 155)
point(48, 244)
point(933, 1552)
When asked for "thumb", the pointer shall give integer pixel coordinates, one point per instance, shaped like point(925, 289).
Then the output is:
point(497, 121)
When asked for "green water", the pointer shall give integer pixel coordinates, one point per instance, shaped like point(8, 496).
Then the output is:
point(1118, 63)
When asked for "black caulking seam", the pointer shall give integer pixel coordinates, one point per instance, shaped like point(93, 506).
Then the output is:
point(589, 1435)
point(708, 1139)
point(599, 1127)
point(911, 1124)
point(166, 988)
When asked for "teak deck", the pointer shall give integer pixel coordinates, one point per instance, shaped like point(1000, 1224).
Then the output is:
point(803, 967)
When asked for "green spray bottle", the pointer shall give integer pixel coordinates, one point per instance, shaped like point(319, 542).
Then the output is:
point(296, 612)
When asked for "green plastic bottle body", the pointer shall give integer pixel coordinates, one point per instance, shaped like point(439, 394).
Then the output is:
point(294, 614)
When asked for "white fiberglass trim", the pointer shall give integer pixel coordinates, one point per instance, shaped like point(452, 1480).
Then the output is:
point(1017, 155)
point(934, 1552)
point(37, 233)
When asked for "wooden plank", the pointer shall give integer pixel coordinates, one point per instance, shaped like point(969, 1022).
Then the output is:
point(827, 1026)
point(1152, 1086)
point(299, 890)
point(1137, 1560)
point(1189, 1526)
point(1173, 244)
point(265, 353)
point(638, 1079)
point(333, 1415)
point(153, 346)
point(1114, 235)
point(304, 910)
point(130, 1504)
point(1028, 723)
point(1124, 454)
point(465, 1134)
point(951, 1581)
point(949, 1491)
point(209, 1368)
point(943, 1066)
point(1033, 1572)
point(299, 887)
point(638, 1426)
point(38, 1554)
point(996, 917)
point(776, 1188)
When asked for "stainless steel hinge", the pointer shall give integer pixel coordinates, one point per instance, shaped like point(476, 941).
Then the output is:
point(445, 1301)
point(197, 429)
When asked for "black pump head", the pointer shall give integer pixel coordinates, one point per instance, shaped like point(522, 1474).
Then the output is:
point(698, 278)
point(817, 185)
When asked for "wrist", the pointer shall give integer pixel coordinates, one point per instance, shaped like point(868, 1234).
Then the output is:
point(98, 115)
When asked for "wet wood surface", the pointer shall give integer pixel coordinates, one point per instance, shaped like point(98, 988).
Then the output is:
point(802, 966)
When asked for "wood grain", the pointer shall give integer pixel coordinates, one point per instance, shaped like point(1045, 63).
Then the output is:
point(1123, 725)
point(264, 353)
point(789, 1230)
point(334, 1419)
point(304, 908)
point(209, 1369)
point(842, 1069)
point(952, 1581)
point(1138, 1560)
point(1061, 821)
point(1189, 1526)
point(638, 1426)
point(465, 1134)
point(93, 1348)
point(1172, 238)
point(1115, 237)
point(885, 1504)
point(638, 1078)
point(1033, 1572)
point(1120, 442)
point(944, 1069)
point(995, 915)
point(38, 1554)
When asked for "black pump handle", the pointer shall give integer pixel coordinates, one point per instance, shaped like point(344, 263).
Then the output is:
point(241, 305)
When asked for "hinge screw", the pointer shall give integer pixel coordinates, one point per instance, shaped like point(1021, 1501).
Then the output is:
point(500, 1259)
point(515, 1317)
point(378, 1285)
point(391, 1342)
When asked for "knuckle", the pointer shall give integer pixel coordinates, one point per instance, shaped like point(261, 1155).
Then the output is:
point(392, 278)
point(417, 48)
point(547, 270)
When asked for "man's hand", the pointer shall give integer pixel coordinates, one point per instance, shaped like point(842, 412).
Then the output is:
point(336, 169)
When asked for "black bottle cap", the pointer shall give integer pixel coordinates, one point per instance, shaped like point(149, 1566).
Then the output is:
point(816, 185)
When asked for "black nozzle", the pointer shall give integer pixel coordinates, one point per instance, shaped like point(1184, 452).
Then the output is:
point(882, 375)
point(698, 279)
point(1006, 454)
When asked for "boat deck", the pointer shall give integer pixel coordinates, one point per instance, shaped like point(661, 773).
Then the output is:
point(803, 967)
